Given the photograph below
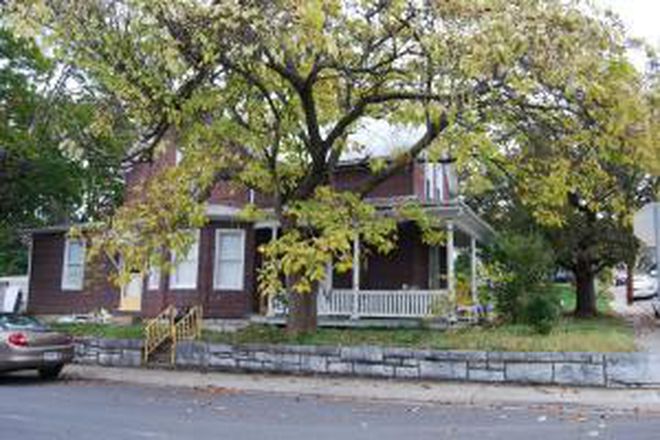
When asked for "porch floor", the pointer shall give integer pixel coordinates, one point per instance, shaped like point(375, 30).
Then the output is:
point(385, 323)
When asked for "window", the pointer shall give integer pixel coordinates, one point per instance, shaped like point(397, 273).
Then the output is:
point(184, 274)
point(20, 322)
point(73, 269)
point(153, 282)
point(435, 181)
point(228, 271)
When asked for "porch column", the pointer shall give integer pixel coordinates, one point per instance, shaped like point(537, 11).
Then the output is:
point(328, 276)
point(473, 269)
point(356, 276)
point(450, 257)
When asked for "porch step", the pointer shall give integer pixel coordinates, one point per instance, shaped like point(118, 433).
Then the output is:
point(161, 357)
point(162, 333)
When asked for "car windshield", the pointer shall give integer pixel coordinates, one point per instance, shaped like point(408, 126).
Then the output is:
point(20, 322)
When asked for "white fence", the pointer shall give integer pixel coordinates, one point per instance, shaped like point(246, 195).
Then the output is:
point(381, 303)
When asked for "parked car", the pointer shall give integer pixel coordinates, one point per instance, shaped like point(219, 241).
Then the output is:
point(28, 344)
point(644, 284)
point(563, 276)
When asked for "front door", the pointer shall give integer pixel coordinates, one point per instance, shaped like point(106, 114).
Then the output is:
point(131, 294)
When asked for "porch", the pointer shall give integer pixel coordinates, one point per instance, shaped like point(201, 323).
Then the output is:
point(416, 281)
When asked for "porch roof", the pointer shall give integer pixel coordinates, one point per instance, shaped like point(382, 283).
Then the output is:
point(456, 211)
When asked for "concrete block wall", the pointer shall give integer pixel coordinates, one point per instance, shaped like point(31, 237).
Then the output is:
point(575, 369)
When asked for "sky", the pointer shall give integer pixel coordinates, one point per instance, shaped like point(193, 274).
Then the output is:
point(641, 17)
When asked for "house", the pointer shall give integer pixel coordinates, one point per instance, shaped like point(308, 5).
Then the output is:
point(220, 270)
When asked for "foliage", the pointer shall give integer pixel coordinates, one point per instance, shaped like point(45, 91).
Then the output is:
point(13, 257)
point(566, 294)
point(578, 177)
point(519, 266)
point(463, 275)
point(330, 222)
point(432, 227)
point(542, 310)
point(54, 166)
point(279, 86)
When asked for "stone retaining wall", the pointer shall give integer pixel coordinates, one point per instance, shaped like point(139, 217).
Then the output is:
point(577, 369)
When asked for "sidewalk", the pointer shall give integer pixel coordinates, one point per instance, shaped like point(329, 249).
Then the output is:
point(372, 389)
point(641, 316)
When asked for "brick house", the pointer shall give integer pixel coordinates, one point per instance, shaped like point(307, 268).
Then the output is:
point(220, 270)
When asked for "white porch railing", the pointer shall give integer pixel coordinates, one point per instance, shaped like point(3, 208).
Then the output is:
point(380, 303)
point(372, 303)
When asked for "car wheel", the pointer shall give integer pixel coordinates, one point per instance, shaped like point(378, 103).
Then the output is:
point(50, 373)
point(656, 311)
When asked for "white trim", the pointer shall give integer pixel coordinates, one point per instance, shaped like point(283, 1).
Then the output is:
point(217, 282)
point(451, 254)
point(356, 276)
point(65, 284)
point(266, 224)
point(173, 282)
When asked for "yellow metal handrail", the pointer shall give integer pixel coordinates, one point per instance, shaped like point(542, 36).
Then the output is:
point(188, 327)
point(158, 330)
point(166, 327)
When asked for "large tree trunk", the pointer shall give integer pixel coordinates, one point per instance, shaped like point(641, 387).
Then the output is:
point(302, 317)
point(585, 290)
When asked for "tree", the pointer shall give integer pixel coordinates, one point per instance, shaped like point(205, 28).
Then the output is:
point(266, 93)
point(53, 167)
point(579, 177)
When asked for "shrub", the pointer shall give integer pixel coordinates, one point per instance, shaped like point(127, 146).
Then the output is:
point(542, 311)
point(519, 267)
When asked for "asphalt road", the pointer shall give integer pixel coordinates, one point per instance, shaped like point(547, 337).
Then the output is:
point(82, 409)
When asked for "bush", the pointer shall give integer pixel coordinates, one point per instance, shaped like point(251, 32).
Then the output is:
point(542, 311)
point(520, 267)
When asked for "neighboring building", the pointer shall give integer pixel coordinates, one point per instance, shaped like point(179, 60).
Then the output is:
point(220, 270)
point(13, 293)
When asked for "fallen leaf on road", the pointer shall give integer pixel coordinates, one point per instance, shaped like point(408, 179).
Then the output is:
point(217, 390)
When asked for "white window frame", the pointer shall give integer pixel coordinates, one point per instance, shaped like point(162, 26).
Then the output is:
point(66, 284)
point(217, 282)
point(175, 266)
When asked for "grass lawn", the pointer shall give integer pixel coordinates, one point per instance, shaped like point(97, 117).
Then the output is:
point(109, 331)
point(606, 333)
point(567, 295)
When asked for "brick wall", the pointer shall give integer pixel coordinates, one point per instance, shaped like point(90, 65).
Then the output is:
point(45, 284)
